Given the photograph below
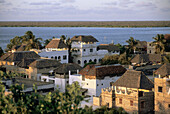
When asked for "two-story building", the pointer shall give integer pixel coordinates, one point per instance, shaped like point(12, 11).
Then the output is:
point(162, 90)
point(85, 50)
point(132, 91)
point(56, 49)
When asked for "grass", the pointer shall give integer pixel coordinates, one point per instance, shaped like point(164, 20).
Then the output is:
point(84, 23)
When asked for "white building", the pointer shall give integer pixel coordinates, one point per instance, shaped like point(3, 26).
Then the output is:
point(84, 50)
point(60, 76)
point(56, 49)
point(94, 78)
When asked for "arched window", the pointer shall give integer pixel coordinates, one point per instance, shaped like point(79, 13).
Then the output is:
point(95, 60)
point(59, 57)
point(79, 62)
point(100, 60)
point(85, 62)
point(90, 60)
point(55, 57)
point(52, 57)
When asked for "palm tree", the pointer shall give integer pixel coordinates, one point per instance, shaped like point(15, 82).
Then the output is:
point(30, 41)
point(131, 45)
point(159, 43)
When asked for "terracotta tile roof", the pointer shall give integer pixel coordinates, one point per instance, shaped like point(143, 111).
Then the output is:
point(18, 56)
point(82, 38)
point(56, 43)
point(101, 71)
point(134, 79)
point(164, 70)
point(64, 68)
point(144, 58)
point(45, 63)
point(109, 47)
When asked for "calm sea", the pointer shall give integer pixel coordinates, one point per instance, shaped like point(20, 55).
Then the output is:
point(104, 35)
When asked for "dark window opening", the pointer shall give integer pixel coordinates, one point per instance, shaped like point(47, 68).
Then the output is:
point(84, 49)
point(85, 62)
point(131, 103)
point(67, 82)
point(159, 89)
point(120, 101)
point(79, 62)
point(142, 104)
point(95, 60)
point(59, 57)
point(140, 93)
point(91, 50)
point(83, 77)
point(90, 60)
point(87, 84)
point(64, 57)
point(102, 83)
point(52, 57)
point(55, 57)
point(169, 105)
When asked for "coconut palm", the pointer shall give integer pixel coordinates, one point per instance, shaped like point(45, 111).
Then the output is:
point(159, 43)
point(131, 45)
point(30, 41)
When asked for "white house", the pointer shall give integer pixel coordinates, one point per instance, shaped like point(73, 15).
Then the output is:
point(94, 78)
point(56, 49)
point(85, 50)
point(60, 76)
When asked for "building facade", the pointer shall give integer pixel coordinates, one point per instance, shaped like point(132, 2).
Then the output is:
point(56, 49)
point(162, 90)
point(132, 91)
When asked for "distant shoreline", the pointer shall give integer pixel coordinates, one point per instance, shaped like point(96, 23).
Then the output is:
point(121, 24)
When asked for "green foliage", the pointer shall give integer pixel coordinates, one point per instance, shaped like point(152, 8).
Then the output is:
point(159, 43)
point(46, 42)
point(131, 45)
point(28, 40)
point(113, 59)
point(1, 52)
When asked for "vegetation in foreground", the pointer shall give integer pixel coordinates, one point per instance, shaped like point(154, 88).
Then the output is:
point(86, 24)
point(55, 102)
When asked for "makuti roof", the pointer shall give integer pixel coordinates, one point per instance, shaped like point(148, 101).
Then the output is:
point(56, 43)
point(164, 70)
point(134, 79)
point(83, 38)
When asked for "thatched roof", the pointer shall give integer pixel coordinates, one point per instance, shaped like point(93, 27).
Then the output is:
point(164, 70)
point(141, 44)
point(5, 56)
point(24, 63)
point(64, 68)
point(56, 43)
point(101, 71)
point(18, 56)
point(144, 58)
point(134, 79)
point(45, 63)
point(109, 47)
point(86, 39)
point(29, 82)
point(19, 48)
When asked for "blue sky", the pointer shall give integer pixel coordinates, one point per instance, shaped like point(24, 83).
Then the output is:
point(84, 10)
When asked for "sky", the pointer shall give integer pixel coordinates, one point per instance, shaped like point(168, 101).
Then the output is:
point(84, 10)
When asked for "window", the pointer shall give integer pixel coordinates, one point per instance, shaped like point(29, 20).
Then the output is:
point(52, 57)
point(97, 84)
point(168, 105)
point(55, 57)
point(131, 103)
point(120, 101)
point(150, 51)
point(140, 93)
point(91, 50)
point(102, 83)
point(159, 89)
point(67, 82)
point(85, 62)
point(59, 57)
point(64, 57)
point(78, 50)
point(95, 60)
point(142, 104)
point(84, 49)
point(100, 60)
point(79, 62)
point(87, 84)
point(90, 60)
